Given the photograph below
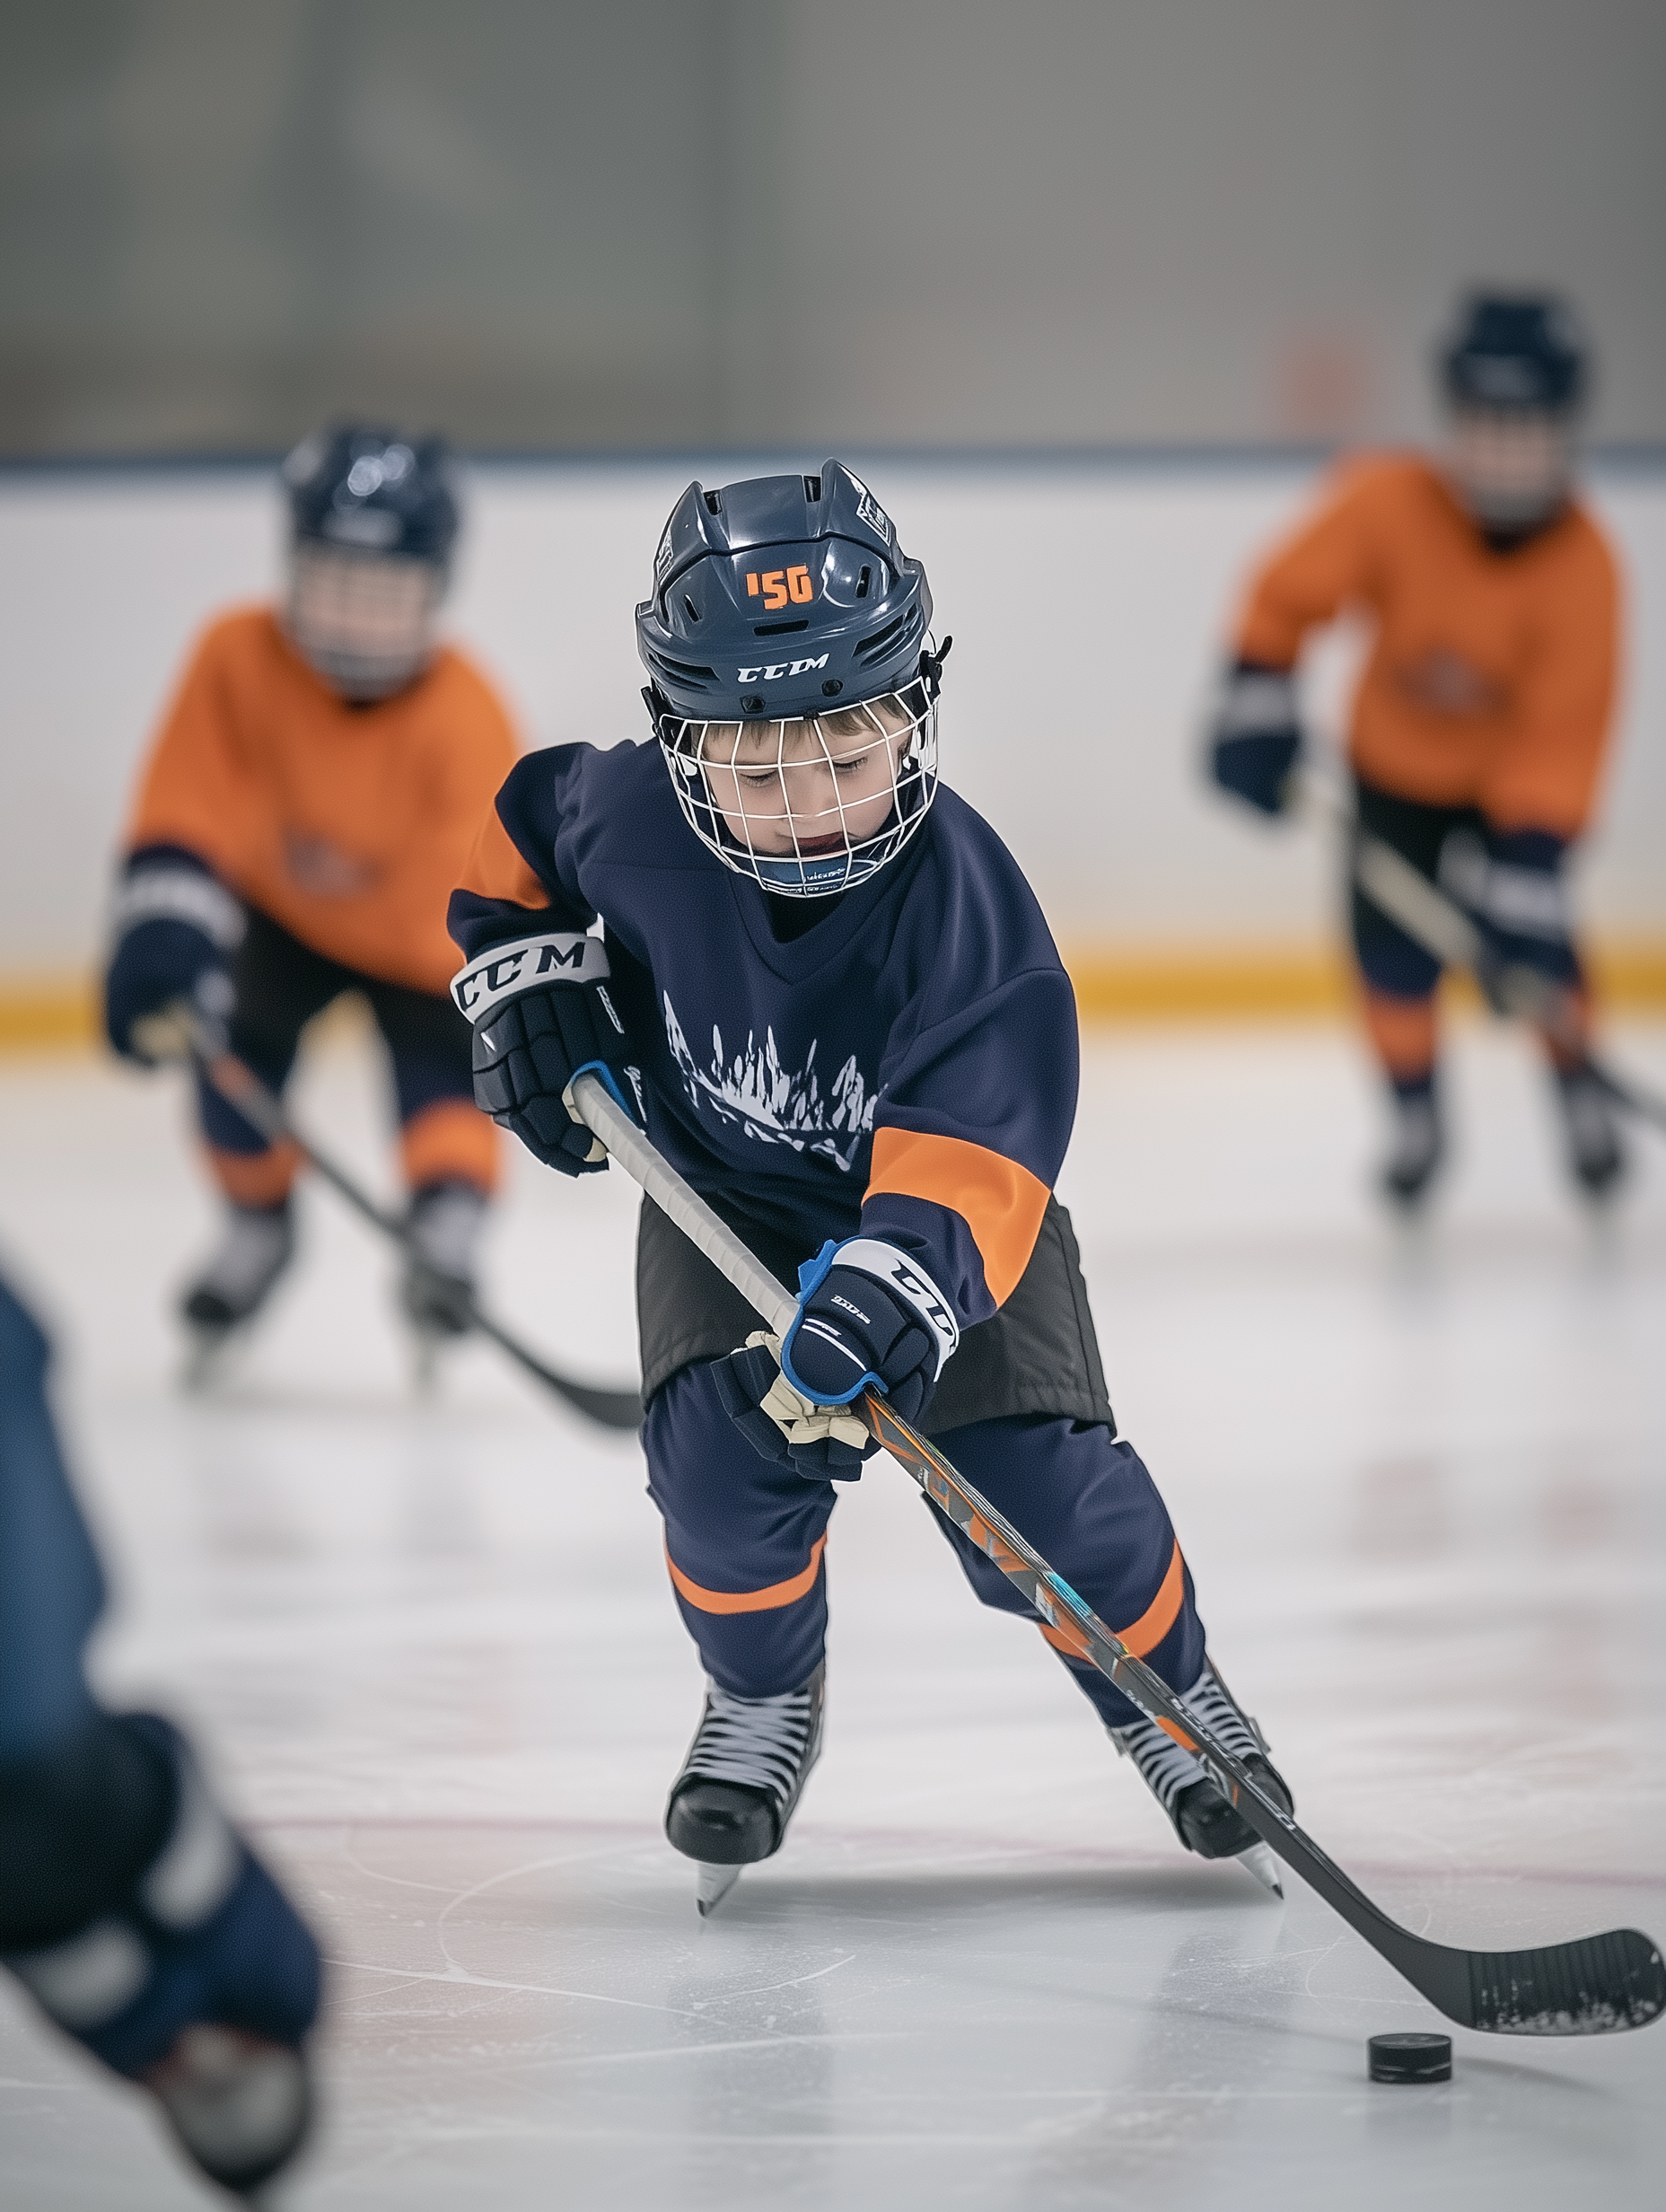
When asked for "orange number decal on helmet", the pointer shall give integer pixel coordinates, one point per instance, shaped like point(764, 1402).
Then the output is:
point(779, 585)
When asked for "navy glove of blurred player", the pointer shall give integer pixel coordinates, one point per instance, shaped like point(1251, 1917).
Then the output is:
point(1510, 882)
point(542, 1014)
point(1256, 737)
point(868, 1316)
point(174, 926)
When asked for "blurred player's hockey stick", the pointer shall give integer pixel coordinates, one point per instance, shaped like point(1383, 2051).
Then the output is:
point(1602, 1982)
point(241, 1088)
point(1441, 927)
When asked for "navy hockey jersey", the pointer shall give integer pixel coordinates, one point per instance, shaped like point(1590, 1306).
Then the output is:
point(906, 1065)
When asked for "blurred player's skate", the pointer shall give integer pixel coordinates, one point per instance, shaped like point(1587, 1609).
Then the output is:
point(745, 1771)
point(437, 1293)
point(1203, 1819)
point(1596, 1155)
point(257, 1247)
point(197, 1981)
point(1414, 1151)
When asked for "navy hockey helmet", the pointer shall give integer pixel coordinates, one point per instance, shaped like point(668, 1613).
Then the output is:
point(788, 645)
point(1517, 354)
point(366, 490)
point(779, 595)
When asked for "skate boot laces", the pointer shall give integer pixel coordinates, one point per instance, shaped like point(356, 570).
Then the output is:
point(256, 1249)
point(446, 1227)
point(766, 1743)
point(1166, 1767)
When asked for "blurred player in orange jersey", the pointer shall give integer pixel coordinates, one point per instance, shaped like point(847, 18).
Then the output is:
point(304, 814)
point(1481, 722)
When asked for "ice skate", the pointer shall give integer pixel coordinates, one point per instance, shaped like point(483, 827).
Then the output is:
point(1203, 1818)
point(1415, 1153)
point(438, 1293)
point(257, 1246)
point(747, 1764)
point(1596, 1156)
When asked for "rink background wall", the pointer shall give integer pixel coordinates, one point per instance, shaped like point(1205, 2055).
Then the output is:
point(1085, 653)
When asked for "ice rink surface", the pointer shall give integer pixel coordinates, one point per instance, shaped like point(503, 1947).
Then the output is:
point(430, 1645)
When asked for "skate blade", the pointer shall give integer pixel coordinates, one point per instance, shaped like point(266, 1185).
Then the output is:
point(426, 1366)
point(1259, 1860)
point(205, 1357)
point(712, 1885)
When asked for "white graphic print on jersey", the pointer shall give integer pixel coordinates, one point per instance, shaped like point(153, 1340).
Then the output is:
point(771, 1104)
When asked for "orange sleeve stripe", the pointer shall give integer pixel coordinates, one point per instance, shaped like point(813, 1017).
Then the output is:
point(496, 870)
point(1146, 1633)
point(778, 1593)
point(1000, 1202)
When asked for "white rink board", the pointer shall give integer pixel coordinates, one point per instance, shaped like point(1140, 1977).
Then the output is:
point(1087, 604)
point(435, 1657)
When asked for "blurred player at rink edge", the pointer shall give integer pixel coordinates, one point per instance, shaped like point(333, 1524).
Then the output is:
point(303, 812)
point(1481, 722)
point(131, 1910)
point(891, 1089)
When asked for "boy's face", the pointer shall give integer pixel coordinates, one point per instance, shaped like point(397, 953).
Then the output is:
point(1509, 467)
point(788, 789)
point(364, 621)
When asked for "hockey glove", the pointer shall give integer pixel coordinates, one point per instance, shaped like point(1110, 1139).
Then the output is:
point(869, 1316)
point(174, 927)
point(1511, 884)
point(542, 1014)
point(1256, 736)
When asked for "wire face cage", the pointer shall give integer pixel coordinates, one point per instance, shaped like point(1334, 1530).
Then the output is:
point(810, 805)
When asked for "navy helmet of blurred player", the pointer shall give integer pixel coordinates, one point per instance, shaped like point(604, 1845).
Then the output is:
point(795, 684)
point(375, 519)
point(1514, 375)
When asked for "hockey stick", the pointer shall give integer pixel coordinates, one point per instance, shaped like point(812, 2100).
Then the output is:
point(242, 1088)
point(1588, 1987)
point(1441, 927)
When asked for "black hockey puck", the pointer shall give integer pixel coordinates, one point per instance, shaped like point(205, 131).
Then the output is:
point(1410, 2057)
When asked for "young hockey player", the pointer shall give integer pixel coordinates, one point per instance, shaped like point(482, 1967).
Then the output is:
point(1482, 717)
point(831, 995)
point(133, 1912)
point(298, 825)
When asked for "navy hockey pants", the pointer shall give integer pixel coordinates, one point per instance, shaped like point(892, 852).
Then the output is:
point(745, 1540)
point(281, 984)
point(52, 1591)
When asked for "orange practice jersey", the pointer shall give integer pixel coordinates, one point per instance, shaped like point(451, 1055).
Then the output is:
point(1490, 676)
point(347, 825)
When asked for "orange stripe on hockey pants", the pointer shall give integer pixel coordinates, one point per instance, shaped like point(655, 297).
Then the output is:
point(450, 1141)
point(255, 1179)
point(1405, 1033)
point(1142, 1635)
point(744, 1538)
point(766, 1600)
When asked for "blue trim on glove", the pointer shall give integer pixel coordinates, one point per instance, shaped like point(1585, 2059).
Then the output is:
point(609, 1083)
point(812, 1275)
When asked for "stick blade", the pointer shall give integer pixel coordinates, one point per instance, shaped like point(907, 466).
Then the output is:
point(1596, 1986)
point(620, 1410)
